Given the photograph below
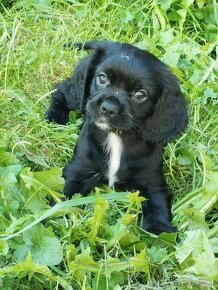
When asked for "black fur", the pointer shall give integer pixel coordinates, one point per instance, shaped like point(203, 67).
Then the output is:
point(144, 120)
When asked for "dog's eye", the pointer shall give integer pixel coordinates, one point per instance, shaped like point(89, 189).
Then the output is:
point(141, 96)
point(102, 78)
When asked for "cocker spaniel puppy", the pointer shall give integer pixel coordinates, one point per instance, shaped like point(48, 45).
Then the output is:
point(132, 106)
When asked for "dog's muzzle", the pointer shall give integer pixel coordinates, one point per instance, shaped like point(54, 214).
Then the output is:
point(108, 109)
point(109, 112)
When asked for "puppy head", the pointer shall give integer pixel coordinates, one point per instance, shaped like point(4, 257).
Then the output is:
point(130, 89)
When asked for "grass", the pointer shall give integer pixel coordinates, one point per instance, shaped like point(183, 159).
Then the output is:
point(95, 243)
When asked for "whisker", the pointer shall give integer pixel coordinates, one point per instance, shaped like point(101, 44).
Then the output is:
point(128, 114)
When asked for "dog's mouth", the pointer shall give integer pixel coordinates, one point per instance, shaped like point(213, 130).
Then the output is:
point(102, 123)
point(108, 113)
point(120, 123)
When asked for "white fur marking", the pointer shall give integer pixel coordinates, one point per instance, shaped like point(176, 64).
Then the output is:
point(125, 56)
point(102, 126)
point(114, 147)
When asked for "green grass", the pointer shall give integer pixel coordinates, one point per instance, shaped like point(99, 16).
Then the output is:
point(95, 242)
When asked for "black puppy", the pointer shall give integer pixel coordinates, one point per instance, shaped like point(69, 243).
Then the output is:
point(132, 105)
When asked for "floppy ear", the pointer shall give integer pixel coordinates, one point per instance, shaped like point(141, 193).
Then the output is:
point(170, 112)
point(73, 92)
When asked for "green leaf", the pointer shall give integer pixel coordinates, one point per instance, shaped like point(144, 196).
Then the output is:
point(38, 185)
point(103, 282)
point(128, 219)
point(161, 17)
point(157, 254)
point(202, 199)
point(214, 244)
point(173, 54)
point(134, 204)
point(212, 184)
point(184, 160)
point(80, 13)
point(44, 248)
point(168, 238)
point(196, 219)
point(118, 231)
point(16, 223)
point(14, 169)
point(83, 264)
point(209, 93)
point(130, 240)
point(29, 267)
point(7, 158)
point(186, 156)
point(187, 3)
point(3, 248)
point(209, 15)
point(126, 16)
point(9, 186)
point(182, 12)
point(200, 3)
point(173, 16)
point(35, 3)
point(196, 76)
point(141, 262)
point(166, 37)
point(196, 251)
point(2, 206)
point(35, 193)
point(115, 265)
point(51, 178)
point(43, 2)
point(165, 5)
point(7, 180)
point(48, 180)
point(71, 253)
point(95, 222)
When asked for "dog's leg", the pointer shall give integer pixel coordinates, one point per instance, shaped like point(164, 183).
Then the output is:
point(59, 108)
point(80, 178)
point(70, 94)
point(157, 212)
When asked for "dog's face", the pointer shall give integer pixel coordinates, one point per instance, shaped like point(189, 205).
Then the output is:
point(123, 93)
point(130, 89)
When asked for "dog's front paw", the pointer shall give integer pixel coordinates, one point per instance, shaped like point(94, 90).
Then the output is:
point(60, 116)
point(159, 228)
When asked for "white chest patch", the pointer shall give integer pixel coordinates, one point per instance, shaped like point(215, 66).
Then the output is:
point(114, 147)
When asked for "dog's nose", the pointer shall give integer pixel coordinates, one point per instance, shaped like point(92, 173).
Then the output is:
point(108, 108)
